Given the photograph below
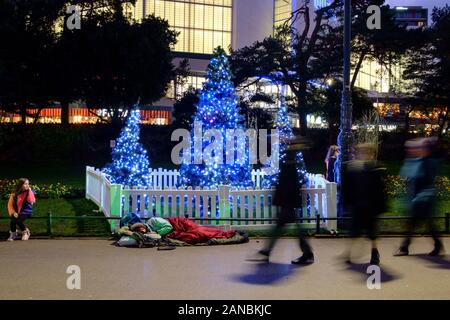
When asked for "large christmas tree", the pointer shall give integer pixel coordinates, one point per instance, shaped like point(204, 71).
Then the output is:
point(130, 165)
point(217, 109)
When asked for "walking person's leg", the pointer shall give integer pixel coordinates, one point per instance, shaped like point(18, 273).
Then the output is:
point(431, 225)
point(372, 235)
point(263, 254)
point(308, 255)
point(276, 232)
point(410, 227)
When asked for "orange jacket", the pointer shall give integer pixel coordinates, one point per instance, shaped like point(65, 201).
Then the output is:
point(20, 199)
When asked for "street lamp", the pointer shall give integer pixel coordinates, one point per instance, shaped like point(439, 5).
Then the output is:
point(345, 137)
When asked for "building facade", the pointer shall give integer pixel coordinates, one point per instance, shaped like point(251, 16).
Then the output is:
point(232, 24)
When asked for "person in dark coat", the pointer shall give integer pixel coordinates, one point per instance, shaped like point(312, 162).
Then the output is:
point(419, 171)
point(287, 198)
point(363, 196)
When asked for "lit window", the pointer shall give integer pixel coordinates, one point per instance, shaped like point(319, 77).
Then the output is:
point(203, 24)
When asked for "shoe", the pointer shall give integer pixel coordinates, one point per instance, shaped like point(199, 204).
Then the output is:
point(12, 236)
point(401, 252)
point(437, 251)
point(375, 257)
point(26, 235)
point(260, 256)
point(304, 259)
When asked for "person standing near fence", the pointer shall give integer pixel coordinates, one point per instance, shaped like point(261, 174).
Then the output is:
point(330, 160)
point(363, 196)
point(419, 171)
point(287, 198)
point(20, 207)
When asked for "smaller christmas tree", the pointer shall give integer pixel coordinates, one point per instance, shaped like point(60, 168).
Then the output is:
point(285, 133)
point(130, 165)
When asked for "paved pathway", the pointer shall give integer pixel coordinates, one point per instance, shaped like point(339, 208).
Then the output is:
point(37, 270)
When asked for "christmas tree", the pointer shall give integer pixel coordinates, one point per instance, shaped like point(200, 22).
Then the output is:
point(217, 109)
point(285, 133)
point(130, 165)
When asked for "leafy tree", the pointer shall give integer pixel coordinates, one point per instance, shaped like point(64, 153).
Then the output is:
point(28, 36)
point(428, 68)
point(253, 114)
point(296, 57)
point(305, 57)
point(328, 105)
point(387, 45)
point(185, 108)
point(124, 61)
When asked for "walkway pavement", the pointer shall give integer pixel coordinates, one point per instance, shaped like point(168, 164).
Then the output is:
point(36, 269)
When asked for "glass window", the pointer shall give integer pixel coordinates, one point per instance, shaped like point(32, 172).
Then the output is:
point(208, 41)
point(209, 17)
point(203, 24)
point(159, 8)
point(199, 16)
point(169, 13)
point(218, 18)
point(149, 7)
point(179, 15)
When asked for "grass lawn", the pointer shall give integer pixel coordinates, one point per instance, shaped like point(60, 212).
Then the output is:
point(397, 208)
point(61, 207)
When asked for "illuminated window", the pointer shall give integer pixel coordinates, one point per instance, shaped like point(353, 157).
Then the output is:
point(282, 12)
point(202, 24)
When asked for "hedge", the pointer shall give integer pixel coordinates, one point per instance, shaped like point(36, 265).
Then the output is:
point(44, 191)
point(395, 187)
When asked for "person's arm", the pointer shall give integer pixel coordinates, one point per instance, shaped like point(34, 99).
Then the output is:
point(31, 198)
point(11, 210)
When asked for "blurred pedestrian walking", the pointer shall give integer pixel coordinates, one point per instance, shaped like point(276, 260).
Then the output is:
point(287, 199)
point(363, 196)
point(420, 170)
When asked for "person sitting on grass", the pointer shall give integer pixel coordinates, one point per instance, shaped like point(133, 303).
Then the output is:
point(20, 207)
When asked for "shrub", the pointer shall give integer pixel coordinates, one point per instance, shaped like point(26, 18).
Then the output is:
point(43, 191)
point(395, 187)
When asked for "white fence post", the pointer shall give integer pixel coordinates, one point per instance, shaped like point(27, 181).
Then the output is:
point(331, 190)
point(224, 204)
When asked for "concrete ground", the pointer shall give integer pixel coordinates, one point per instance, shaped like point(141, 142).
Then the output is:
point(36, 269)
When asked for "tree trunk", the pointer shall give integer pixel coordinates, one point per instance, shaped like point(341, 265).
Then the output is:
point(443, 124)
point(406, 123)
point(64, 112)
point(23, 115)
point(357, 68)
point(36, 116)
point(301, 109)
point(333, 133)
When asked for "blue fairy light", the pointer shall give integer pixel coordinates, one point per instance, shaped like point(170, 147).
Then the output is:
point(130, 165)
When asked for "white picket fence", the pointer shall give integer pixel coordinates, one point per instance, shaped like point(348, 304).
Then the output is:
point(163, 199)
point(169, 179)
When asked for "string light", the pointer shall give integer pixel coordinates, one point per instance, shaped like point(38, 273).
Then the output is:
point(285, 133)
point(217, 109)
point(130, 165)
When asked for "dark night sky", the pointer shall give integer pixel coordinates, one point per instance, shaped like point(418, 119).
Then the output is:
point(424, 3)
